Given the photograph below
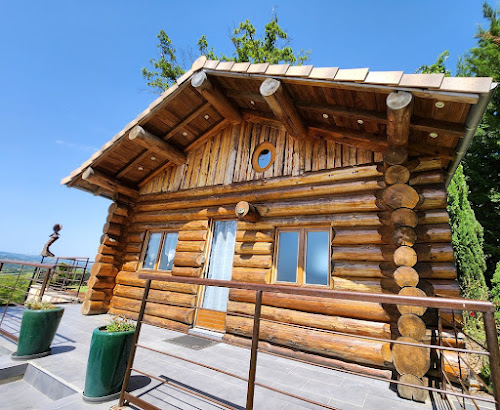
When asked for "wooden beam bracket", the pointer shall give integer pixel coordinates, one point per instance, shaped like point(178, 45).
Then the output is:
point(156, 145)
point(281, 105)
point(214, 96)
point(108, 183)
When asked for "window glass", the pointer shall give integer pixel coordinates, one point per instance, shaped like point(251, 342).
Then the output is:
point(220, 265)
point(168, 252)
point(152, 251)
point(264, 158)
point(317, 258)
point(287, 257)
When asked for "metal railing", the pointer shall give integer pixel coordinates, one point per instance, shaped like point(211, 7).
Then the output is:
point(445, 386)
point(70, 275)
point(21, 282)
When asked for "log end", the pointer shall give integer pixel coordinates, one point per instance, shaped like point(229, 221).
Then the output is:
point(135, 132)
point(269, 86)
point(397, 100)
point(198, 79)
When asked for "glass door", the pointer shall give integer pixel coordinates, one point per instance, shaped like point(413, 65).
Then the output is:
point(212, 311)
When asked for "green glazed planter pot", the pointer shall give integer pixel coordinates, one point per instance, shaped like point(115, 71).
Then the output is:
point(108, 356)
point(38, 328)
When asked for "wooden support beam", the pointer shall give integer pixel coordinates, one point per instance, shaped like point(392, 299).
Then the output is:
point(132, 164)
point(399, 110)
point(108, 183)
point(348, 136)
point(346, 112)
point(421, 124)
point(439, 127)
point(215, 97)
point(351, 137)
point(155, 172)
point(156, 145)
point(186, 120)
point(214, 129)
point(282, 107)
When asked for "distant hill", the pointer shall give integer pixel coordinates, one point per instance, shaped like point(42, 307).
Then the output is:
point(37, 259)
point(20, 257)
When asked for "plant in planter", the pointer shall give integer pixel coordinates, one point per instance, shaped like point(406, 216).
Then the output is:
point(38, 328)
point(109, 352)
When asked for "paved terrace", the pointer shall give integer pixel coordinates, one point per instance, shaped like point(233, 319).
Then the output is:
point(337, 389)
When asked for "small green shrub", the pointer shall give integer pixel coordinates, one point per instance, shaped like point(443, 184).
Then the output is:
point(120, 324)
point(38, 305)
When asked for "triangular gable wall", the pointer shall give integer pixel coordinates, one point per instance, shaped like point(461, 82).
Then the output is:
point(227, 158)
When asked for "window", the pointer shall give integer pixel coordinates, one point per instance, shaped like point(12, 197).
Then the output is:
point(303, 256)
point(160, 251)
point(263, 157)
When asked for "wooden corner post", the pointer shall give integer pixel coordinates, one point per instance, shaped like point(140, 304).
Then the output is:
point(411, 362)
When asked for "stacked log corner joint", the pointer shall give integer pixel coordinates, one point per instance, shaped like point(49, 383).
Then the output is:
point(109, 257)
point(411, 362)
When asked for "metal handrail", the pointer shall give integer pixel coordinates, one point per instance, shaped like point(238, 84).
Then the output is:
point(23, 263)
point(432, 302)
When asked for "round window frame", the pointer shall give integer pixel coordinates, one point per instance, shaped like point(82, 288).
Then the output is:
point(258, 150)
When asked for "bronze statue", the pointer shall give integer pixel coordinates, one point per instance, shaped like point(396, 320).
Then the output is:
point(54, 237)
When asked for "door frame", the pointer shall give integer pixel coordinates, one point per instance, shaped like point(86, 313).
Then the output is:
point(208, 250)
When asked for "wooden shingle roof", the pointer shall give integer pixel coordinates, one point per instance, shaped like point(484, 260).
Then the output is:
point(348, 104)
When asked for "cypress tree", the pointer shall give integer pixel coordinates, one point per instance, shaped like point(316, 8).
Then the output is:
point(482, 161)
point(495, 291)
point(467, 232)
point(467, 239)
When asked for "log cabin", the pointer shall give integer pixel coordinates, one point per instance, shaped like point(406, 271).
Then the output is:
point(298, 175)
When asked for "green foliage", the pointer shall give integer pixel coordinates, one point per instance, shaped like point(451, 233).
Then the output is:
point(482, 161)
point(120, 324)
point(467, 232)
point(495, 292)
point(467, 239)
point(273, 47)
point(39, 305)
point(439, 65)
point(166, 69)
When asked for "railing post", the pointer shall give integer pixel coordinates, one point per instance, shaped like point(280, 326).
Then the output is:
point(253, 352)
point(134, 343)
point(44, 283)
point(492, 344)
point(82, 279)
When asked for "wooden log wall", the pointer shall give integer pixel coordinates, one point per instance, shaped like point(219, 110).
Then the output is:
point(362, 260)
point(108, 260)
point(400, 198)
point(349, 201)
point(226, 158)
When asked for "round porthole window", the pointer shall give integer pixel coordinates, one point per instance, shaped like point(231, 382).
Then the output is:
point(263, 156)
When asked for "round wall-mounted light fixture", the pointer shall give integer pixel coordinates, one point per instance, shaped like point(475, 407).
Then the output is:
point(433, 135)
point(325, 115)
point(140, 168)
point(360, 122)
point(439, 104)
point(185, 133)
point(153, 158)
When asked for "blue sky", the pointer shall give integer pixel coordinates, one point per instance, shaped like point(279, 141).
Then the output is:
point(70, 78)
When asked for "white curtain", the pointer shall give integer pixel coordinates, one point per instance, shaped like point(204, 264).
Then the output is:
point(220, 264)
